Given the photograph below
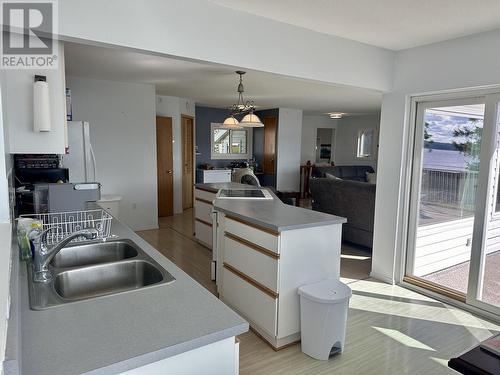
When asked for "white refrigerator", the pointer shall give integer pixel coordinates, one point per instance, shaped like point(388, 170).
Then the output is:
point(80, 159)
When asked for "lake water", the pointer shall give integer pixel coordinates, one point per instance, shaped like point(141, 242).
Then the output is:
point(450, 160)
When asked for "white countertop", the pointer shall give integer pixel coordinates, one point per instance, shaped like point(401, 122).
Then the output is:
point(111, 334)
point(272, 214)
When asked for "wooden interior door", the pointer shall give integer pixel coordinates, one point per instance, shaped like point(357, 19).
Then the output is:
point(270, 130)
point(164, 166)
point(187, 161)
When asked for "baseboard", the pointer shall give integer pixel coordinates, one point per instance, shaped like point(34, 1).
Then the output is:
point(380, 277)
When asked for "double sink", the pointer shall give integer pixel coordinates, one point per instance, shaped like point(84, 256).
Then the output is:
point(96, 269)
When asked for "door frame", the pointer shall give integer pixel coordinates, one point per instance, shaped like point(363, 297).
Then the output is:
point(404, 210)
point(193, 151)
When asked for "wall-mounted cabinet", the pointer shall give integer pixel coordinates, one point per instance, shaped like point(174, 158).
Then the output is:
point(17, 105)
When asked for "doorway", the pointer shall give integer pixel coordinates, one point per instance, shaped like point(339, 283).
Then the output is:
point(454, 236)
point(187, 130)
point(164, 166)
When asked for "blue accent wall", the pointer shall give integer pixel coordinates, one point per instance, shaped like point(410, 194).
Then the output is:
point(205, 116)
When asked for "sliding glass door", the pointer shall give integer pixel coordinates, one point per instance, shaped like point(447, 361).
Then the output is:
point(454, 226)
point(484, 277)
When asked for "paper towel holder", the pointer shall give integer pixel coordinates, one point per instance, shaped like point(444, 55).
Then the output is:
point(41, 105)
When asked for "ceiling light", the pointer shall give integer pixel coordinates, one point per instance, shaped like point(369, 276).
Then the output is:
point(231, 122)
point(336, 115)
point(250, 120)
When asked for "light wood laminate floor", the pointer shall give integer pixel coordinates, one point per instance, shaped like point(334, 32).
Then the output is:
point(390, 330)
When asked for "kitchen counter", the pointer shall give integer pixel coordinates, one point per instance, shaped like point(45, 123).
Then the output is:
point(272, 214)
point(115, 333)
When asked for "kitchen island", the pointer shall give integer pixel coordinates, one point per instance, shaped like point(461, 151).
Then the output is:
point(264, 250)
point(178, 326)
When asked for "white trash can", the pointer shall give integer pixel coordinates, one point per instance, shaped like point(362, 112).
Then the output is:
point(111, 203)
point(323, 317)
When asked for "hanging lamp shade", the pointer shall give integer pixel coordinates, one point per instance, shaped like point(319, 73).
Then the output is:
point(231, 122)
point(251, 120)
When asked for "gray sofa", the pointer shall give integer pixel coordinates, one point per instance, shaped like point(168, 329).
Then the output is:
point(345, 172)
point(350, 197)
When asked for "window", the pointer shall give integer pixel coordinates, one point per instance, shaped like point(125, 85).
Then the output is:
point(365, 143)
point(231, 143)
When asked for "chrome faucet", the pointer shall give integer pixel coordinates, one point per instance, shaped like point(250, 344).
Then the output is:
point(43, 254)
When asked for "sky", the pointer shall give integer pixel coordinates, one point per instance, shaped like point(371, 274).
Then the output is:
point(441, 127)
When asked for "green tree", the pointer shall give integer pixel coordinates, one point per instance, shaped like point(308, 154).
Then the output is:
point(427, 137)
point(469, 141)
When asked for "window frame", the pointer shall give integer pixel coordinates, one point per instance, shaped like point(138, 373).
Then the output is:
point(358, 144)
point(231, 156)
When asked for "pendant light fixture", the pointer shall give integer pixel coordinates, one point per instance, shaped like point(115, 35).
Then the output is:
point(246, 108)
point(231, 122)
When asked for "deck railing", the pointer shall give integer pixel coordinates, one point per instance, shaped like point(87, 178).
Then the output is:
point(449, 188)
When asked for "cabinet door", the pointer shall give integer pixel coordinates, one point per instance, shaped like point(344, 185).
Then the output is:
point(270, 129)
point(258, 307)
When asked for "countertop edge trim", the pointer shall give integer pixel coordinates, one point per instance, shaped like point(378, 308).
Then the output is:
point(159, 355)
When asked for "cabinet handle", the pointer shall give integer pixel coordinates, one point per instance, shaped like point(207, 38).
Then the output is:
point(248, 279)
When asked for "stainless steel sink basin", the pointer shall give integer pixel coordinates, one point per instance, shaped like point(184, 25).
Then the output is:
point(88, 282)
point(94, 253)
point(91, 270)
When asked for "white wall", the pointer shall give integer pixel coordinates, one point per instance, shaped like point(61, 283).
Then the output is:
point(464, 62)
point(310, 125)
point(174, 107)
point(346, 140)
point(123, 134)
point(288, 158)
point(18, 87)
point(212, 34)
point(5, 164)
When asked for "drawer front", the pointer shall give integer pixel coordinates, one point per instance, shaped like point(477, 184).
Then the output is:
point(252, 261)
point(203, 233)
point(260, 236)
point(202, 194)
point(203, 210)
point(256, 305)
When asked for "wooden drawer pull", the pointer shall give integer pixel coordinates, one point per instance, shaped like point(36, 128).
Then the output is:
point(251, 245)
point(263, 229)
point(251, 281)
point(203, 200)
point(204, 222)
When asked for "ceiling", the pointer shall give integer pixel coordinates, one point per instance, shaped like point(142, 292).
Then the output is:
point(391, 24)
point(215, 85)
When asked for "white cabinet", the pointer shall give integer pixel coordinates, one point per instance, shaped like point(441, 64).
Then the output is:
point(218, 358)
point(259, 272)
point(203, 216)
point(215, 175)
point(17, 102)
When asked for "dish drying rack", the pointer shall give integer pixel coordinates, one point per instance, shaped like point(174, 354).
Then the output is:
point(65, 223)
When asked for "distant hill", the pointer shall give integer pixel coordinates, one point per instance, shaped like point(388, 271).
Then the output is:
point(440, 146)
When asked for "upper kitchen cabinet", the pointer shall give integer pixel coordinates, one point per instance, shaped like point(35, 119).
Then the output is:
point(17, 105)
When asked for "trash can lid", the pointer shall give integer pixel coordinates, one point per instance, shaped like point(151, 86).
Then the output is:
point(326, 291)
